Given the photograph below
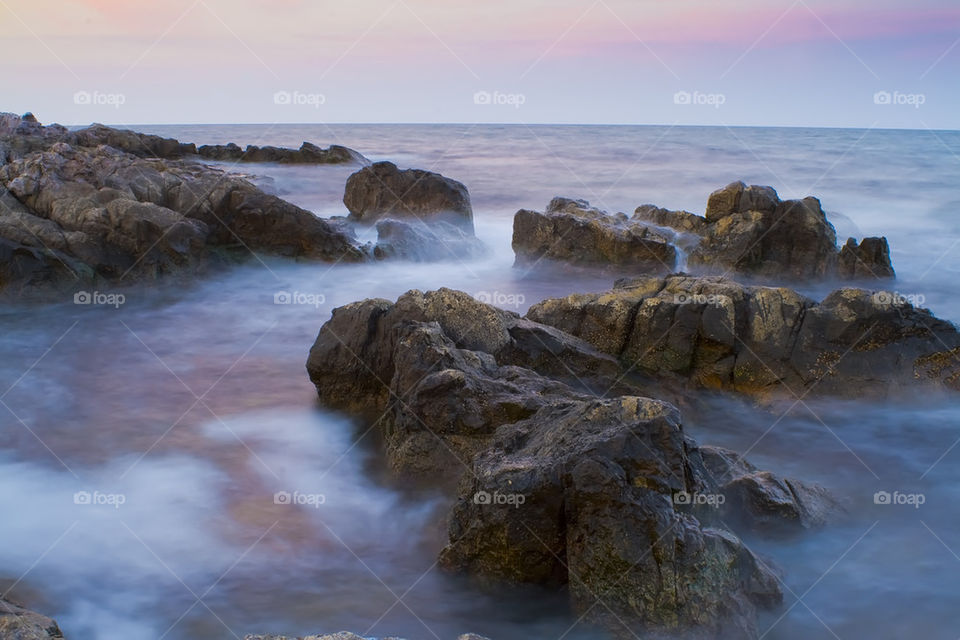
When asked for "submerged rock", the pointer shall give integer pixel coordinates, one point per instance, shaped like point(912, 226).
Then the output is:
point(573, 232)
point(18, 623)
point(382, 190)
point(713, 332)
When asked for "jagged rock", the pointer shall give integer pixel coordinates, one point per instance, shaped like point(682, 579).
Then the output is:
point(77, 213)
point(716, 333)
point(18, 623)
point(418, 241)
point(559, 485)
point(382, 190)
point(683, 221)
point(580, 494)
point(573, 232)
point(144, 145)
point(308, 153)
point(869, 259)
point(346, 635)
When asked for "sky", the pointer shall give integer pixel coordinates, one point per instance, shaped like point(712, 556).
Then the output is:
point(833, 63)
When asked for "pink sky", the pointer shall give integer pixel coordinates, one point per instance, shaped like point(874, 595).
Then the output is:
point(415, 60)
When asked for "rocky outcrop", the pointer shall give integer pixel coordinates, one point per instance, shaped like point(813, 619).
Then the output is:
point(715, 333)
point(73, 213)
point(18, 623)
point(382, 190)
point(144, 145)
point(567, 477)
point(571, 232)
point(748, 230)
point(418, 241)
point(581, 494)
point(308, 153)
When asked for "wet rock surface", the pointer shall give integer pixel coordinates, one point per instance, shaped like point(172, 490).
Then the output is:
point(383, 190)
point(567, 477)
point(716, 333)
point(571, 232)
point(18, 623)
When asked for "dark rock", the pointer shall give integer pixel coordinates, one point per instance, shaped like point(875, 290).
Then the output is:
point(759, 500)
point(143, 145)
point(580, 494)
point(18, 623)
point(308, 153)
point(572, 232)
point(716, 333)
point(92, 213)
point(869, 259)
point(419, 241)
point(682, 221)
point(382, 190)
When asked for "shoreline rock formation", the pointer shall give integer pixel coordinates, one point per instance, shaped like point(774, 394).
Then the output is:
point(749, 230)
point(712, 332)
point(74, 213)
point(567, 476)
point(571, 232)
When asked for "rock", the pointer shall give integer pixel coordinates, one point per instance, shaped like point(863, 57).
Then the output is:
point(382, 189)
point(419, 241)
point(715, 333)
point(747, 230)
point(572, 232)
point(869, 259)
point(683, 221)
point(346, 635)
point(308, 153)
point(78, 214)
point(580, 494)
point(143, 145)
point(18, 623)
point(558, 485)
point(759, 500)
point(440, 371)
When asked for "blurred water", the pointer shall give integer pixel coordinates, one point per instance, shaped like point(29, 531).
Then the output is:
point(191, 401)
